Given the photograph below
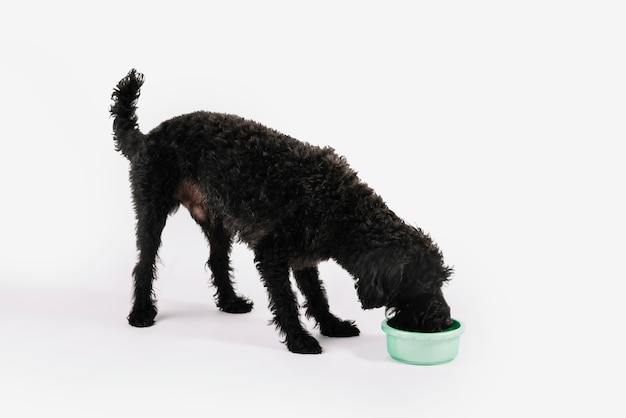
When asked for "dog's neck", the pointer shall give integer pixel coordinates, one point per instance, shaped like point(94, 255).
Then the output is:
point(367, 231)
point(387, 255)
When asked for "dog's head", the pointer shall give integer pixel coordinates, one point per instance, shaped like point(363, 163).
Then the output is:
point(417, 304)
point(409, 284)
point(425, 313)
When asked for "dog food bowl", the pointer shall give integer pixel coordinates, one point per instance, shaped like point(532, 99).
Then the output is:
point(424, 348)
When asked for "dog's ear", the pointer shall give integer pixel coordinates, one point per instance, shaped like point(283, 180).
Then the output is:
point(370, 293)
point(380, 278)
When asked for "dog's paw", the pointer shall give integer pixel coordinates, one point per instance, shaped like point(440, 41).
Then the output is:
point(305, 344)
point(339, 329)
point(142, 317)
point(235, 305)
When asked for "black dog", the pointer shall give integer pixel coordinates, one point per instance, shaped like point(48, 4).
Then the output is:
point(294, 204)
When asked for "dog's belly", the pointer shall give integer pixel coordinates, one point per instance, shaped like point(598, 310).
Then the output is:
point(206, 209)
point(299, 263)
point(249, 219)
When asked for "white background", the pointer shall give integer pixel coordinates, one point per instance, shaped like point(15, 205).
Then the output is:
point(496, 127)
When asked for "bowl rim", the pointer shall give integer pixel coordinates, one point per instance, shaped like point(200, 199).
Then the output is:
point(425, 336)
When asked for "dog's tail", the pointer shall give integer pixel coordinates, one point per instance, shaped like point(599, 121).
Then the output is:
point(125, 129)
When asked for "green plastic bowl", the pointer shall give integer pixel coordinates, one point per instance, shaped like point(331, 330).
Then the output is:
point(424, 348)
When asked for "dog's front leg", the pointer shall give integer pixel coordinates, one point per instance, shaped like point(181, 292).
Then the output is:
point(317, 305)
point(274, 269)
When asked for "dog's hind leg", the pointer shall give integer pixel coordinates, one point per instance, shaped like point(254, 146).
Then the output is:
point(317, 305)
point(189, 194)
point(151, 218)
point(220, 243)
point(274, 269)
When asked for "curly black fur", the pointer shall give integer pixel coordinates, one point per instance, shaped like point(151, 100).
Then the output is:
point(292, 203)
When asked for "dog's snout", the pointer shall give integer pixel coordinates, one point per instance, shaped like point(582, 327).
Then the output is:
point(448, 323)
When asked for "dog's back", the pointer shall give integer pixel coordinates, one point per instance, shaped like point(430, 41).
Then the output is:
point(253, 178)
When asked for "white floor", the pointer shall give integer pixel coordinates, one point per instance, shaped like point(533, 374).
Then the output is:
point(67, 349)
point(497, 127)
